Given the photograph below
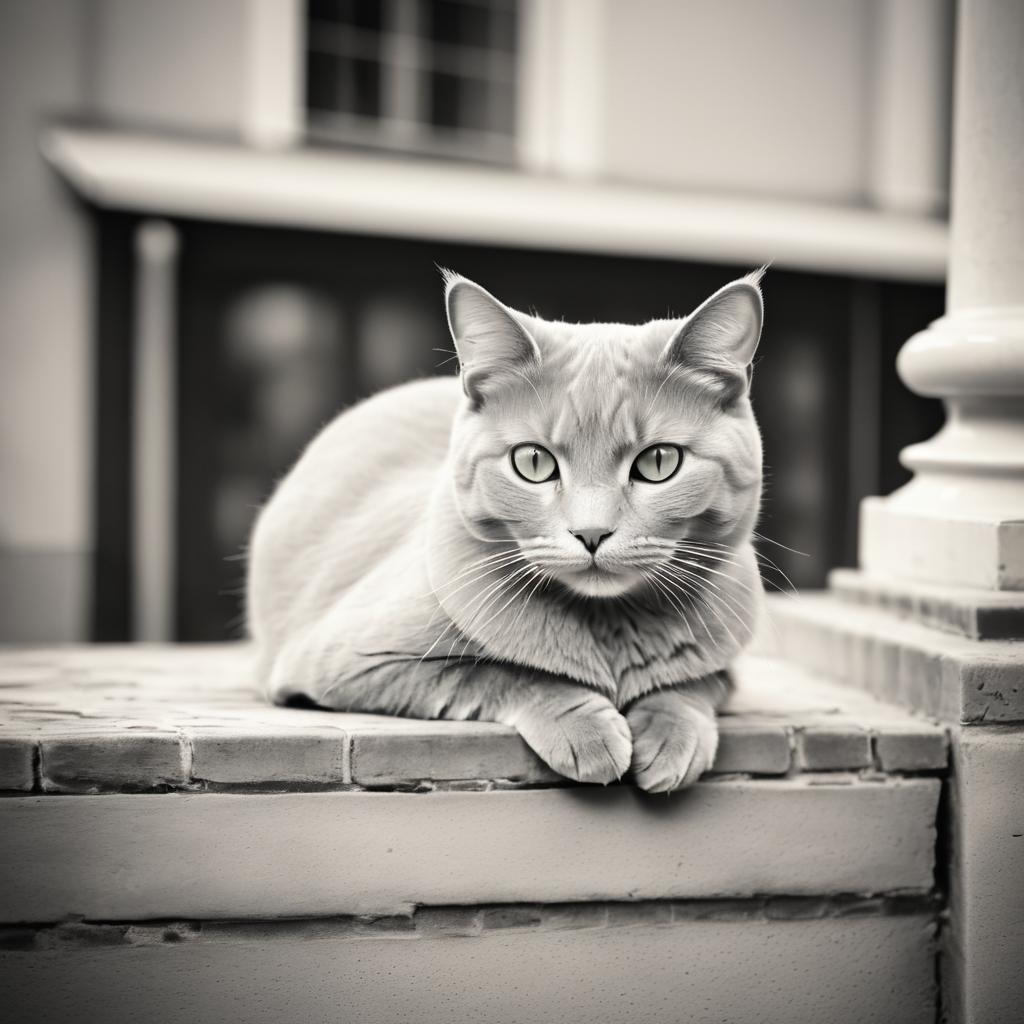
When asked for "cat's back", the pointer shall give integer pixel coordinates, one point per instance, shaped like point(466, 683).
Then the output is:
point(359, 488)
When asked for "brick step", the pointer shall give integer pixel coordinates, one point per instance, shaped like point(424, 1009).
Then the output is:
point(302, 861)
point(949, 677)
point(790, 960)
point(246, 810)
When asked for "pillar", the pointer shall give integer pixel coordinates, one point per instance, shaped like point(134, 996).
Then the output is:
point(960, 521)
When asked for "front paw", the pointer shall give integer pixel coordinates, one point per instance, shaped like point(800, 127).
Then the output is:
point(580, 734)
point(674, 740)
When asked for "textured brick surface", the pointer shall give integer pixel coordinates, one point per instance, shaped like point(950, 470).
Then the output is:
point(17, 755)
point(823, 748)
point(101, 760)
point(250, 754)
point(746, 970)
point(114, 718)
point(445, 750)
point(760, 749)
point(913, 751)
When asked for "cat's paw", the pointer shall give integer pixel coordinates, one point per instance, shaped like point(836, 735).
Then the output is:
point(674, 741)
point(580, 734)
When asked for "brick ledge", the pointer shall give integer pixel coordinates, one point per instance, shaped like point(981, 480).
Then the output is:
point(173, 718)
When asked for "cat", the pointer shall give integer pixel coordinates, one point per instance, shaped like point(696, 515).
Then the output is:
point(558, 539)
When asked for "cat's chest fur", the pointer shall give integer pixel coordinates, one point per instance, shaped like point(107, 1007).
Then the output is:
point(621, 647)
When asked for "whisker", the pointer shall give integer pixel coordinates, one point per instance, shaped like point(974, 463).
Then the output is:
point(675, 369)
point(707, 568)
point(693, 597)
point(500, 562)
point(528, 570)
point(543, 578)
point(717, 588)
point(700, 585)
point(661, 583)
point(709, 549)
point(716, 593)
point(451, 622)
point(519, 373)
point(484, 601)
point(761, 536)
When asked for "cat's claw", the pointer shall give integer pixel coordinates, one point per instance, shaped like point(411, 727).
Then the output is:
point(674, 741)
point(585, 738)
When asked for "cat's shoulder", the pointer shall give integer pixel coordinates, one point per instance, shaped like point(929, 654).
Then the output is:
point(428, 395)
point(420, 411)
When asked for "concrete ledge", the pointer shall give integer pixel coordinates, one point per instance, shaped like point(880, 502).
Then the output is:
point(951, 678)
point(654, 968)
point(136, 857)
point(978, 614)
point(172, 848)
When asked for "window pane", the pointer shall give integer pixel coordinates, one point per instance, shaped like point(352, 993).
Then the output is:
point(361, 13)
point(470, 104)
point(321, 81)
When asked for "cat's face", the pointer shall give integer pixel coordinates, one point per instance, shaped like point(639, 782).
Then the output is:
point(597, 448)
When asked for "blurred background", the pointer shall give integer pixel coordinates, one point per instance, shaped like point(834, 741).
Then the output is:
point(220, 222)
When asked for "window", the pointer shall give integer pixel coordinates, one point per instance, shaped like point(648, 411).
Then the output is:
point(429, 76)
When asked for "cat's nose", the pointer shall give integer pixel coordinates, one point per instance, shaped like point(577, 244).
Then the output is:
point(592, 539)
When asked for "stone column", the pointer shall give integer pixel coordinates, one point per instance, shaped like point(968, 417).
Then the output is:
point(954, 536)
point(960, 521)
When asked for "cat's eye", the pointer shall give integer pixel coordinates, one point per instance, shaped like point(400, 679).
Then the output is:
point(534, 463)
point(657, 463)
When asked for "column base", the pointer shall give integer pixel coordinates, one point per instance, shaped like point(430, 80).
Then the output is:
point(982, 552)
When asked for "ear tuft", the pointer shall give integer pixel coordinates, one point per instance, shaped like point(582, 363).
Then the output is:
point(719, 338)
point(492, 345)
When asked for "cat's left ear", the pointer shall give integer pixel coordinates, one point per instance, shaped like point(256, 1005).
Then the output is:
point(492, 345)
point(719, 338)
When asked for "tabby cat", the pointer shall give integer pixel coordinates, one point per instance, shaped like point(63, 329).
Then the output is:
point(559, 539)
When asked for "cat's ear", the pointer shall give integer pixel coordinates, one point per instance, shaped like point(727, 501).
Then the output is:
point(719, 338)
point(492, 345)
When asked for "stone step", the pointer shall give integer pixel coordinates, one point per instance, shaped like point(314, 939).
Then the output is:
point(173, 848)
point(201, 800)
point(196, 855)
point(978, 614)
point(948, 677)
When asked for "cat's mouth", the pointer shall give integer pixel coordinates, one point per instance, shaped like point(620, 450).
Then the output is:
point(597, 581)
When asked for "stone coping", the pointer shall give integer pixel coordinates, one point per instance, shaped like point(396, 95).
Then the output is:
point(137, 857)
point(978, 614)
point(953, 678)
point(159, 718)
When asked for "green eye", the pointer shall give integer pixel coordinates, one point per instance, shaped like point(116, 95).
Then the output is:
point(534, 463)
point(657, 463)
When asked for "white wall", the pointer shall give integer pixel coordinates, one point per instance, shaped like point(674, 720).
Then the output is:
point(740, 95)
point(177, 64)
point(45, 314)
point(834, 100)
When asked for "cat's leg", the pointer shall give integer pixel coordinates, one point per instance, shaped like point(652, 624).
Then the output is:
point(574, 729)
point(675, 734)
point(571, 727)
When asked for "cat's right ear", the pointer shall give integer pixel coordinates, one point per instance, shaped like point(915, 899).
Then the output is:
point(492, 345)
